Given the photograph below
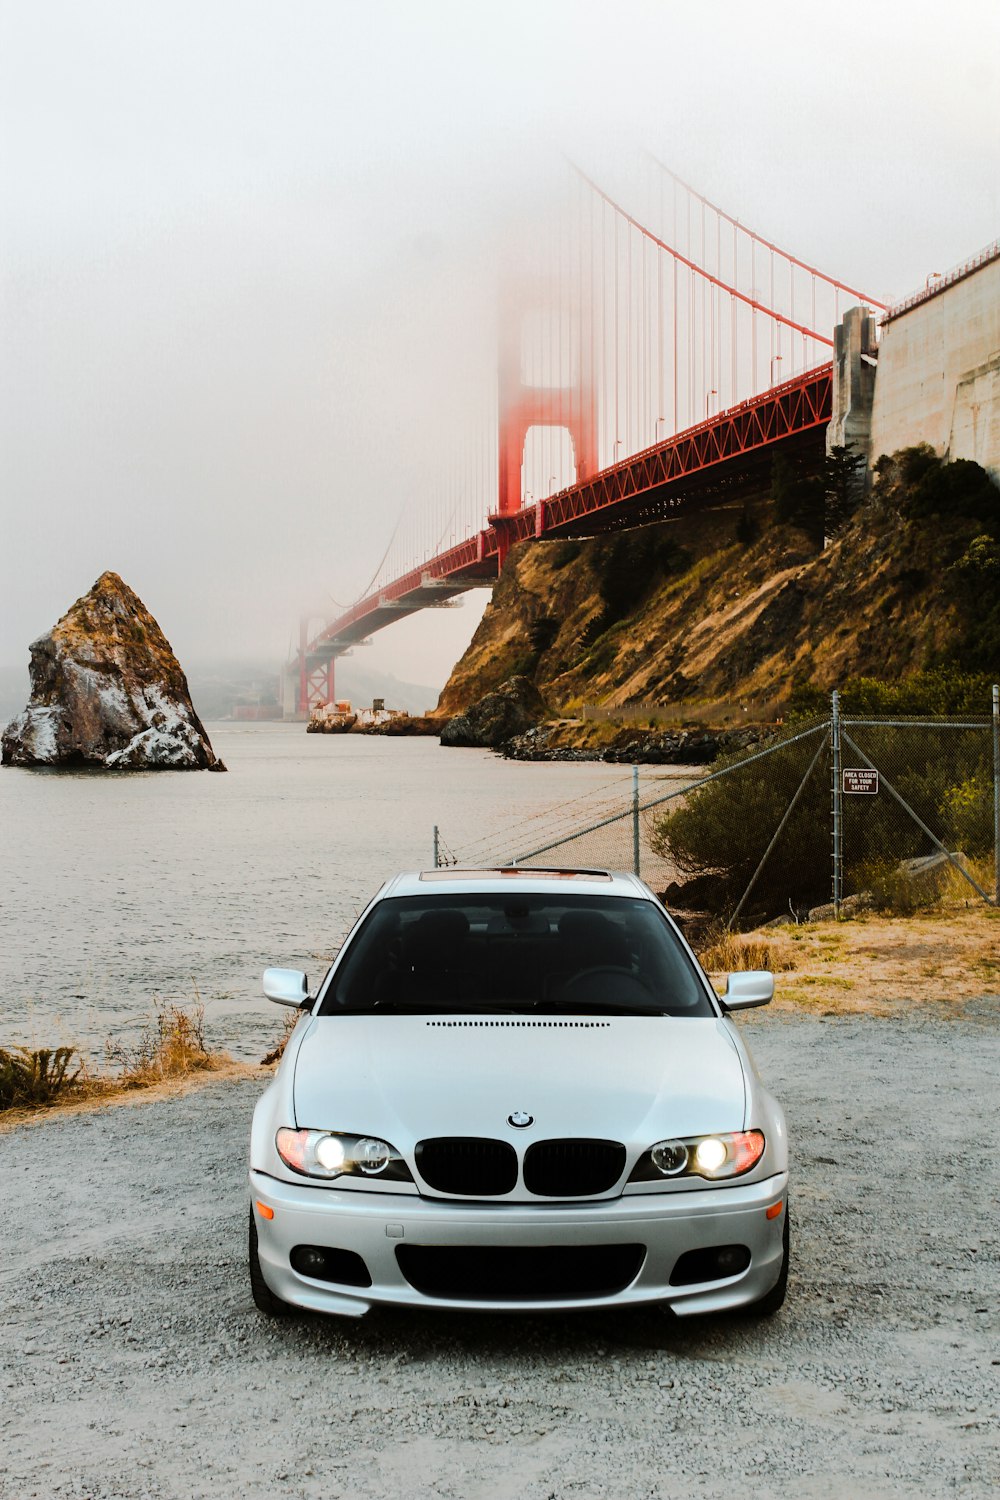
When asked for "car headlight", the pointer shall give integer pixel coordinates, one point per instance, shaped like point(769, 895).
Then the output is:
point(711, 1156)
point(330, 1153)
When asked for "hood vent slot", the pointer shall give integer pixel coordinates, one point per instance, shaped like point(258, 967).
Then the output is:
point(530, 1025)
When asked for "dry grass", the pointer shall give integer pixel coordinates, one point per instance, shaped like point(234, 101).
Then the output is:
point(874, 964)
point(172, 1045)
point(171, 1048)
point(289, 1022)
point(726, 952)
point(110, 1097)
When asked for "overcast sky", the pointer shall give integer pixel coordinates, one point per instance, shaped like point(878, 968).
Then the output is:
point(238, 243)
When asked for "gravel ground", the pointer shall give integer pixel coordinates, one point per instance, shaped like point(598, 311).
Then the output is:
point(133, 1364)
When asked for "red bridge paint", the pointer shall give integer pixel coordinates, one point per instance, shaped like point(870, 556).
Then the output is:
point(646, 487)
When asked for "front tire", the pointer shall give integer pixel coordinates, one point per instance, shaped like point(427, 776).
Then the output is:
point(768, 1305)
point(264, 1299)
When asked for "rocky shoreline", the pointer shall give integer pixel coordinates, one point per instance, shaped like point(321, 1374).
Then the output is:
point(515, 721)
point(650, 747)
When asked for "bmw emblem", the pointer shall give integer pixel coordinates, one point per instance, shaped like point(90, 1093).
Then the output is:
point(520, 1119)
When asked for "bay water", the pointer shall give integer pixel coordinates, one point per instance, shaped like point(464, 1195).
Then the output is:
point(119, 891)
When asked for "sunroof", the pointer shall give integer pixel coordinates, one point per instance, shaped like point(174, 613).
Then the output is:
point(515, 872)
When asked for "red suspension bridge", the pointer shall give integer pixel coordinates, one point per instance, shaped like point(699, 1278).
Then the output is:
point(650, 357)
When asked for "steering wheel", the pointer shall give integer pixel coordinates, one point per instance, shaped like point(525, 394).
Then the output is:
point(590, 979)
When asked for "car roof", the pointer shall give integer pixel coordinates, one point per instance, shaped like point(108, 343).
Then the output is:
point(523, 878)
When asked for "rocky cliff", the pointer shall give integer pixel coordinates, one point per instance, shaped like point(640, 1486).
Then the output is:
point(509, 710)
point(737, 604)
point(107, 690)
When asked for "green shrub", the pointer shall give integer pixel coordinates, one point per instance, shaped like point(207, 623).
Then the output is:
point(919, 485)
point(967, 811)
point(542, 632)
point(35, 1077)
point(942, 690)
point(603, 652)
point(979, 564)
point(632, 564)
point(722, 831)
point(896, 892)
point(974, 580)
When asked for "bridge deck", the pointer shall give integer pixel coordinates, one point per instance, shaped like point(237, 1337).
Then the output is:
point(715, 457)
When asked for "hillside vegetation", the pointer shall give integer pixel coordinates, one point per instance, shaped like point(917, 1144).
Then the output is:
point(742, 602)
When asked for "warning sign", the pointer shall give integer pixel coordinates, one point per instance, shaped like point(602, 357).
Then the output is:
point(863, 781)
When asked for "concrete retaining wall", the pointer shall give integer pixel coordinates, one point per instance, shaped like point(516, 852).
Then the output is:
point(939, 372)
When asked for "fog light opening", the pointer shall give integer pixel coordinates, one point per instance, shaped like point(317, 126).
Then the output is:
point(310, 1261)
point(715, 1263)
point(326, 1263)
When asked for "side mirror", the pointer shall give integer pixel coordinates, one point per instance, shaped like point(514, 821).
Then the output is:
point(750, 988)
point(286, 986)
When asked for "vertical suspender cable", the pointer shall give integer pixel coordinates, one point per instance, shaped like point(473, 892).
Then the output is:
point(659, 330)
point(770, 321)
point(644, 324)
point(692, 416)
point(605, 386)
point(615, 349)
point(629, 398)
point(718, 309)
point(732, 351)
point(675, 321)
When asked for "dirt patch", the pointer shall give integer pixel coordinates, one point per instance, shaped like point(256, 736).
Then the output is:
point(875, 965)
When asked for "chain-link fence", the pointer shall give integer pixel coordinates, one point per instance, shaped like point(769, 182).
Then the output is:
point(840, 810)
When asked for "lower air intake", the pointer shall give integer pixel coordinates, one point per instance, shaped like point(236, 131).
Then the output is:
point(520, 1273)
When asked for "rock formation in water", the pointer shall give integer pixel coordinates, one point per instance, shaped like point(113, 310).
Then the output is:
point(106, 690)
point(513, 707)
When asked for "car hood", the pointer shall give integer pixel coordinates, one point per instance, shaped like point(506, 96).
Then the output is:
point(635, 1079)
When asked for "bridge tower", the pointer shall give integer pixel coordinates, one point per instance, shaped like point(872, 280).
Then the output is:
point(552, 388)
point(308, 679)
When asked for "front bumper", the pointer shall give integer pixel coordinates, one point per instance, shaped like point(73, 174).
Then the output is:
point(374, 1224)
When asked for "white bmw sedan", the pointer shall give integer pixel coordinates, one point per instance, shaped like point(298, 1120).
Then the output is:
point(515, 1089)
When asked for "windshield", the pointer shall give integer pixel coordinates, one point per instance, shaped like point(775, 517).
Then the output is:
point(513, 953)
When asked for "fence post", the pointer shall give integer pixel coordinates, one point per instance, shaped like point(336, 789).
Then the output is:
point(635, 819)
point(996, 794)
point(837, 806)
point(435, 846)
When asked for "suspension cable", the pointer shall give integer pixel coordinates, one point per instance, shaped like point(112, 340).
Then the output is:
point(811, 333)
point(767, 244)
